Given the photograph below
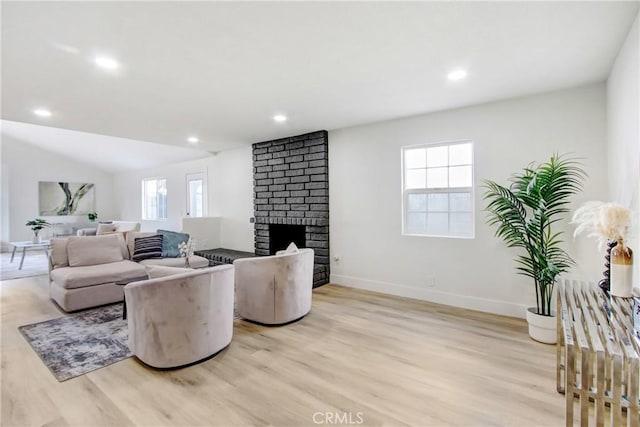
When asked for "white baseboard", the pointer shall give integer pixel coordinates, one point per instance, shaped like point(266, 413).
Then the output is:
point(425, 294)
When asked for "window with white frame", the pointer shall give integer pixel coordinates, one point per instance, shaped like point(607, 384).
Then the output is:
point(437, 189)
point(154, 199)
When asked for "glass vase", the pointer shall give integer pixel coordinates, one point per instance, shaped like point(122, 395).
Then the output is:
point(621, 279)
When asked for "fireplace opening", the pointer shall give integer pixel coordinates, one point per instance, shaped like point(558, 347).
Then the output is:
point(281, 235)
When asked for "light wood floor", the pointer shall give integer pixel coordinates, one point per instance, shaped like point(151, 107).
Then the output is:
point(374, 358)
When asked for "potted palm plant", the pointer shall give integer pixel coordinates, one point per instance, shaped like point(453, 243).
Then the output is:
point(36, 225)
point(524, 213)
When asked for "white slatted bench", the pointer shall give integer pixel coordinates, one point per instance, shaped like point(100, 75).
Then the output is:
point(597, 356)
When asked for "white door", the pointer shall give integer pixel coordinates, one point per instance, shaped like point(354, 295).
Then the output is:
point(197, 194)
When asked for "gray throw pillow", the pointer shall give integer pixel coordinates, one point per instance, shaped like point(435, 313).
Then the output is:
point(171, 241)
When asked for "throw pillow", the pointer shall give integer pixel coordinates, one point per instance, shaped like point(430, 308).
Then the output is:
point(131, 240)
point(171, 241)
point(291, 249)
point(147, 247)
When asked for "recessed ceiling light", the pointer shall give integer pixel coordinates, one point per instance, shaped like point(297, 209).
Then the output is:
point(42, 112)
point(107, 63)
point(280, 118)
point(457, 75)
point(193, 139)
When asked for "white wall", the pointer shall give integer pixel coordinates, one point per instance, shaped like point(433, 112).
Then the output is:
point(4, 206)
point(128, 188)
point(205, 230)
point(24, 165)
point(365, 198)
point(230, 196)
point(233, 197)
point(623, 136)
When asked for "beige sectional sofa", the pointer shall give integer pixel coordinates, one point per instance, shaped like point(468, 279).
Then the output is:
point(89, 271)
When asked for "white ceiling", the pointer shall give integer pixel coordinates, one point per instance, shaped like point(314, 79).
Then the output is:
point(107, 153)
point(222, 70)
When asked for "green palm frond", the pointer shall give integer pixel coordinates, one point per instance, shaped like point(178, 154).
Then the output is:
point(524, 213)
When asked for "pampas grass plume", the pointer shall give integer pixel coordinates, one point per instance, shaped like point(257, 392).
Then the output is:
point(605, 221)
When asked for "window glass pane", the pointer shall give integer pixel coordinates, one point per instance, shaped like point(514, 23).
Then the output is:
point(461, 224)
point(438, 186)
point(460, 176)
point(460, 202)
point(416, 223)
point(438, 202)
point(460, 154)
point(417, 202)
point(154, 199)
point(195, 198)
point(416, 178)
point(437, 178)
point(162, 199)
point(437, 156)
point(415, 158)
point(437, 223)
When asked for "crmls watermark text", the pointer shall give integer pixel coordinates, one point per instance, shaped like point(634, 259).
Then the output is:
point(351, 418)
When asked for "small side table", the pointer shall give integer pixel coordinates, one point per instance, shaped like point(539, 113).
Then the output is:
point(44, 245)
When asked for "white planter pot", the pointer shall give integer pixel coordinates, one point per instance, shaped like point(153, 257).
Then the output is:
point(542, 328)
point(36, 239)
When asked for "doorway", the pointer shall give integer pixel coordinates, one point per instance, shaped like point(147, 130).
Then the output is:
point(197, 194)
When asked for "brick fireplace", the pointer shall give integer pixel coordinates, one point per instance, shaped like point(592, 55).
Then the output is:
point(291, 197)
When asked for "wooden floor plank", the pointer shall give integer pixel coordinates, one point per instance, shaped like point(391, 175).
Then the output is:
point(388, 360)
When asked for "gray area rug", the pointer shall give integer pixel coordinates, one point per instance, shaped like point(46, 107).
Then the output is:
point(35, 264)
point(80, 343)
point(74, 345)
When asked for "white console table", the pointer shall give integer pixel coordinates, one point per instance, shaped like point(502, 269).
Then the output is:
point(44, 245)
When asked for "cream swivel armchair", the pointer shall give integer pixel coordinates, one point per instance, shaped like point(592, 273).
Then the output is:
point(274, 289)
point(179, 319)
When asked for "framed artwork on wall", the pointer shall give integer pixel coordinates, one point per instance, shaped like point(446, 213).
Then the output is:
point(66, 198)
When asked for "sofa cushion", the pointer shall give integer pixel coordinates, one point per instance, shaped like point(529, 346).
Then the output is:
point(147, 247)
point(195, 261)
point(171, 243)
point(93, 250)
point(59, 256)
point(79, 277)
